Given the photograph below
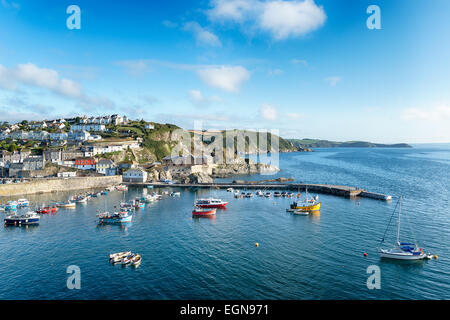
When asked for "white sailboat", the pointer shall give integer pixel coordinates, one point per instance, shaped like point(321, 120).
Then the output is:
point(402, 250)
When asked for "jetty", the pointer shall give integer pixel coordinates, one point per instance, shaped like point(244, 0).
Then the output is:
point(337, 190)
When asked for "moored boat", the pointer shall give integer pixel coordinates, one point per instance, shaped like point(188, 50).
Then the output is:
point(68, 204)
point(21, 203)
point(11, 206)
point(401, 250)
point(211, 203)
point(309, 204)
point(29, 218)
point(200, 212)
point(117, 257)
point(113, 218)
point(136, 260)
point(47, 210)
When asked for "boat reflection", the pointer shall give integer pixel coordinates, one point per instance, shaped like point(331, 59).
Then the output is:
point(122, 226)
point(315, 215)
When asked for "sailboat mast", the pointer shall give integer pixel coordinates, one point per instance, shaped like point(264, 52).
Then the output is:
point(398, 224)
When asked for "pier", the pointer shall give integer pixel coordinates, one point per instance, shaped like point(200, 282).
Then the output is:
point(337, 190)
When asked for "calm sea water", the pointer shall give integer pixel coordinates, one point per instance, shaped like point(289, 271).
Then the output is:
point(314, 257)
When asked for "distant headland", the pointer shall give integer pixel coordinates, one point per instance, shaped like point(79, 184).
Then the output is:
point(316, 143)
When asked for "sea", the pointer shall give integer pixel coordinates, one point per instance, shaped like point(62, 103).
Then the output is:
point(254, 249)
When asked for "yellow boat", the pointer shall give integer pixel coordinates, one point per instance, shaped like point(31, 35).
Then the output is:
point(314, 206)
point(310, 204)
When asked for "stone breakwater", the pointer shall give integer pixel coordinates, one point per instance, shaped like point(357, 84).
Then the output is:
point(57, 184)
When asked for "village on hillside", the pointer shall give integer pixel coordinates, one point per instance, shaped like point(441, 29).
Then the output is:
point(101, 146)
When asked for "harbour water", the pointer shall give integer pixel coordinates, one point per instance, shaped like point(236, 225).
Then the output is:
point(319, 256)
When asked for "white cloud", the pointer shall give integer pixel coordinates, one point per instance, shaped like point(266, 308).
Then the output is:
point(299, 61)
point(29, 74)
point(135, 68)
point(170, 24)
point(268, 112)
point(281, 19)
point(436, 114)
point(202, 36)
point(294, 116)
point(275, 72)
point(235, 10)
point(227, 78)
point(332, 81)
point(285, 19)
point(10, 5)
point(32, 75)
point(197, 98)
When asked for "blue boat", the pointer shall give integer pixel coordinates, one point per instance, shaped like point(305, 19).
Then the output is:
point(11, 206)
point(116, 217)
point(29, 218)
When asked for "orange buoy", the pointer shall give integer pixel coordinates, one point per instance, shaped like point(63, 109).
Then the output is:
point(257, 244)
point(365, 254)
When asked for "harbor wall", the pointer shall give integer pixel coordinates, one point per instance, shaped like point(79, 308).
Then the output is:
point(57, 184)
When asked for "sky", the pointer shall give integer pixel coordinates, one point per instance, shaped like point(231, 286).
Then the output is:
point(309, 69)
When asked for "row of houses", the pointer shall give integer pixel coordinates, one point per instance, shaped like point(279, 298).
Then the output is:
point(49, 136)
point(104, 120)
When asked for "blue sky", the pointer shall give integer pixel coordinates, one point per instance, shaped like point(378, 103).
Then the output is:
point(307, 68)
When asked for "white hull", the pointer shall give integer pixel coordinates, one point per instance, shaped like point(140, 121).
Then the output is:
point(401, 255)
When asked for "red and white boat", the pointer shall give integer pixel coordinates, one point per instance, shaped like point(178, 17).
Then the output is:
point(210, 203)
point(202, 212)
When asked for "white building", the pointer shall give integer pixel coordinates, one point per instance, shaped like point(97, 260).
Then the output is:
point(135, 175)
point(59, 136)
point(79, 135)
point(88, 127)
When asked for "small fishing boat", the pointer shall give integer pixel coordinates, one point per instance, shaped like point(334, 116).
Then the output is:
point(21, 203)
point(116, 217)
point(47, 210)
point(122, 187)
point(211, 203)
point(300, 212)
point(136, 260)
point(117, 257)
point(259, 193)
point(200, 212)
point(249, 195)
point(284, 194)
point(401, 250)
point(290, 195)
point(230, 190)
point(128, 259)
point(267, 194)
point(81, 200)
point(25, 219)
point(11, 205)
point(175, 194)
point(309, 204)
point(68, 204)
point(277, 194)
point(149, 187)
point(104, 193)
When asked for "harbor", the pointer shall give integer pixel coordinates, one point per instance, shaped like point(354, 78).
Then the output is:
point(268, 243)
point(337, 190)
